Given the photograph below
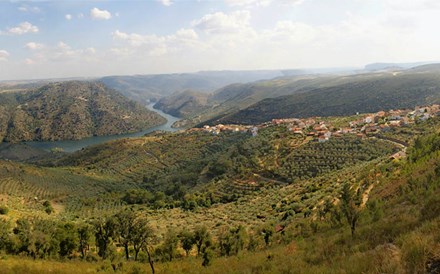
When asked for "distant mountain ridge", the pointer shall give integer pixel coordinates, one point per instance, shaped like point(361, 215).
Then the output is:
point(368, 93)
point(385, 66)
point(144, 88)
point(319, 95)
point(70, 110)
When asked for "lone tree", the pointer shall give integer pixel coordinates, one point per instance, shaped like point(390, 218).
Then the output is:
point(104, 231)
point(169, 245)
point(233, 241)
point(267, 233)
point(351, 206)
point(124, 222)
point(202, 238)
point(84, 235)
point(187, 241)
point(143, 237)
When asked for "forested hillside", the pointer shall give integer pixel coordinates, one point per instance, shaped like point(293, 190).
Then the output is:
point(404, 90)
point(183, 104)
point(317, 95)
point(70, 110)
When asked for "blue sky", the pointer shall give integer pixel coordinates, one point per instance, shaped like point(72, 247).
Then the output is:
point(49, 39)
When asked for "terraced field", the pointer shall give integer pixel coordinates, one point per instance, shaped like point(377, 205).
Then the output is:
point(223, 169)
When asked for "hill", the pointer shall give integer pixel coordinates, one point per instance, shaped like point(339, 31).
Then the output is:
point(393, 66)
point(22, 152)
point(70, 110)
point(323, 94)
point(183, 104)
point(351, 94)
point(235, 97)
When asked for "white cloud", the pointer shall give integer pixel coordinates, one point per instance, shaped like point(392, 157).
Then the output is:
point(292, 32)
point(220, 22)
point(291, 2)
point(154, 45)
point(166, 2)
point(29, 61)
point(233, 42)
point(68, 16)
point(411, 5)
point(23, 28)
point(34, 46)
point(251, 36)
point(98, 14)
point(241, 3)
point(63, 46)
point(261, 3)
point(187, 34)
point(27, 8)
point(61, 52)
point(90, 50)
point(4, 55)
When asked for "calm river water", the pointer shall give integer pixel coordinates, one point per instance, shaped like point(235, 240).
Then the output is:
point(71, 146)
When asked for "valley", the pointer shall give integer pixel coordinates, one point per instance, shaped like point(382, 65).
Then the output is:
point(279, 178)
point(219, 137)
point(338, 189)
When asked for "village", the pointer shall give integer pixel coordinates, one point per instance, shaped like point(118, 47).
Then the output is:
point(322, 130)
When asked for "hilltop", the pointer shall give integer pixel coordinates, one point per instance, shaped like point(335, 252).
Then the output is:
point(70, 111)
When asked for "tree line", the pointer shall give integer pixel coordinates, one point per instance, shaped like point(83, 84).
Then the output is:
point(127, 234)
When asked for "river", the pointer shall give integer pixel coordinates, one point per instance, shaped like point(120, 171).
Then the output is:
point(74, 145)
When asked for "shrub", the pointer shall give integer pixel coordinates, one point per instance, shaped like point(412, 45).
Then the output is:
point(48, 207)
point(208, 255)
point(415, 252)
point(431, 209)
point(4, 210)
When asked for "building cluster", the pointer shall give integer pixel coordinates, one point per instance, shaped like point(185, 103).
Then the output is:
point(368, 124)
point(322, 130)
point(217, 129)
point(383, 121)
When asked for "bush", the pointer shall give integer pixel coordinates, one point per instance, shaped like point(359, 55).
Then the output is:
point(431, 209)
point(415, 252)
point(49, 210)
point(48, 207)
point(136, 269)
point(208, 256)
point(93, 258)
point(4, 210)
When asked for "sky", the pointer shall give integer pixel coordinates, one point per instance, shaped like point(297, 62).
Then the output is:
point(52, 39)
